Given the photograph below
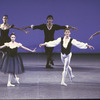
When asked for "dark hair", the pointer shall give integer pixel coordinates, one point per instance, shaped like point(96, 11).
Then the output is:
point(49, 16)
point(12, 34)
point(6, 15)
point(66, 29)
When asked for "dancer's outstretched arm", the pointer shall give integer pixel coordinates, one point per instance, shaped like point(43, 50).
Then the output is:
point(25, 48)
point(21, 29)
point(81, 45)
point(51, 43)
point(26, 27)
point(57, 27)
point(12, 26)
point(71, 27)
point(41, 27)
point(90, 47)
point(3, 46)
point(76, 43)
point(94, 35)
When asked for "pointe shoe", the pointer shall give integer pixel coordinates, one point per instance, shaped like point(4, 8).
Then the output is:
point(17, 80)
point(9, 84)
point(71, 78)
point(63, 83)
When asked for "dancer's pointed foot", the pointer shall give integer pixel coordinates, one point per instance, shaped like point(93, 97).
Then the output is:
point(63, 83)
point(9, 84)
point(17, 80)
point(71, 78)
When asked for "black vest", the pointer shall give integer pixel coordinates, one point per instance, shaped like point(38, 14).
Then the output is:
point(66, 50)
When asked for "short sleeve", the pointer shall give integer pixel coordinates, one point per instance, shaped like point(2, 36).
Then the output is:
point(6, 44)
point(19, 44)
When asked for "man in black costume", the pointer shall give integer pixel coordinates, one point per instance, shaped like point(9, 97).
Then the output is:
point(49, 30)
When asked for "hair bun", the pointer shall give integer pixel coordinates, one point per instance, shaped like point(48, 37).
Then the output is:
point(12, 34)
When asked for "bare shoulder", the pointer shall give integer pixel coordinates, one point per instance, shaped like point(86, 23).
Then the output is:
point(0, 25)
point(8, 25)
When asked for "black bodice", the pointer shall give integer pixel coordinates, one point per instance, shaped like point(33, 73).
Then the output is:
point(12, 52)
point(4, 33)
point(4, 36)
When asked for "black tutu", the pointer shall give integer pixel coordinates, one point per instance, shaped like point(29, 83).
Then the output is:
point(12, 62)
point(12, 65)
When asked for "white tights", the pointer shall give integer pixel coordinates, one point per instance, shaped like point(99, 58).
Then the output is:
point(66, 61)
point(10, 77)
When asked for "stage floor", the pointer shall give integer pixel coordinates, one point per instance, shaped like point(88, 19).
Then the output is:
point(40, 83)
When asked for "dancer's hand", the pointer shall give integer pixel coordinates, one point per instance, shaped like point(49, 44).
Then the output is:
point(91, 47)
point(90, 37)
point(34, 50)
point(74, 28)
point(43, 44)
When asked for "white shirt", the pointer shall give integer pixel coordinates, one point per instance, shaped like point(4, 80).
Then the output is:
point(74, 42)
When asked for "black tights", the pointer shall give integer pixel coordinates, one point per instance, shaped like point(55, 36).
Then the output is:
point(48, 51)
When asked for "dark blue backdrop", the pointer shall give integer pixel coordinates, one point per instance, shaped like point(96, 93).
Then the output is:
point(83, 14)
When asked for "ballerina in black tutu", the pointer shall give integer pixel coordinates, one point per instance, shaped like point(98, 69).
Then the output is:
point(4, 28)
point(12, 62)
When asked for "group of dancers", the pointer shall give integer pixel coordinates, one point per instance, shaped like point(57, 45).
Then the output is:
point(11, 61)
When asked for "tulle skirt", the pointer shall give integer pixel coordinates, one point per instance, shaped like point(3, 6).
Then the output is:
point(12, 65)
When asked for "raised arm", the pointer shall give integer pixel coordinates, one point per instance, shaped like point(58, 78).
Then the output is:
point(51, 43)
point(25, 48)
point(41, 27)
point(58, 27)
point(12, 26)
point(26, 27)
point(94, 35)
point(81, 45)
point(73, 28)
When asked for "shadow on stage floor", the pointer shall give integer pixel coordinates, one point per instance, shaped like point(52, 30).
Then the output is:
point(75, 68)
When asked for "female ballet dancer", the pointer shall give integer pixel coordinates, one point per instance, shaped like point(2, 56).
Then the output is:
point(12, 62)
point(94, 35)
point(66, 43)
point(4, 28)
point(49, 30)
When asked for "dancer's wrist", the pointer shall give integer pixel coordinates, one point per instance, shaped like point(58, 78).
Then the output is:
point(32, 26)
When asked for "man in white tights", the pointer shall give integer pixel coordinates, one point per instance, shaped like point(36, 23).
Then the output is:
point(66, 43)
